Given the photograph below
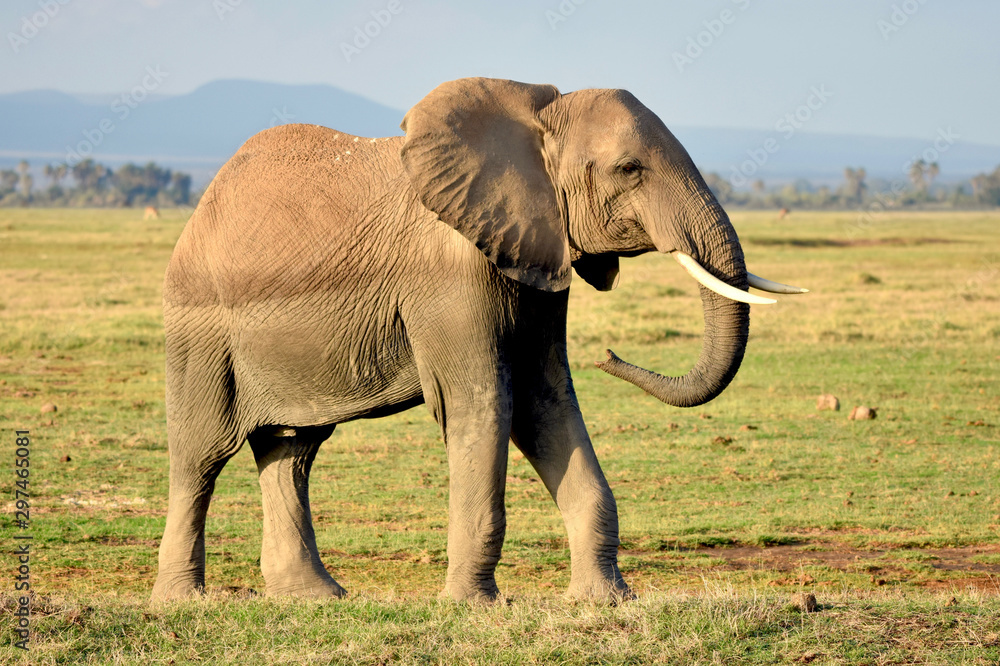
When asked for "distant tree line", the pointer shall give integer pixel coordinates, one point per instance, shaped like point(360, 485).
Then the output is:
point(857, 189)
point(89, 183)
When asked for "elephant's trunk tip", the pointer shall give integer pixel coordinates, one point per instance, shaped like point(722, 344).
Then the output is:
point(616, 367)
point(612, 357)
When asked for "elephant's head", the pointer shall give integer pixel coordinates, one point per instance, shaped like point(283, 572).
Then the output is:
point(541, 181)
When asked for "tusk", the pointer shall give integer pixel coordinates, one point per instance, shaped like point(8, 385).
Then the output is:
point(709, 281)
point(773, 287)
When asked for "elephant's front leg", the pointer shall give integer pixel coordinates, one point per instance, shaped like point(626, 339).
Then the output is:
point(469, 396)
point(549, 429)
point(289, 558)
point(476, 438)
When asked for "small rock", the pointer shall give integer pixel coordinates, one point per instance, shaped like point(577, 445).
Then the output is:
point(805, 602)
point(747, 427)
point(49, 407)
point(973, 493)
point(808, 657)
point(951, 602)
point(66, 458)
point(24, 394)
point(828, 401)
point(862, 413)
point(950, 493)
point(722, 440)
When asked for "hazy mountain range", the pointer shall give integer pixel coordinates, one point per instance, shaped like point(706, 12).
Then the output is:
point(198, 131)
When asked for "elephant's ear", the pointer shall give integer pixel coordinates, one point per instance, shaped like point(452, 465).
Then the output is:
point(473, 153)
point(599, 270)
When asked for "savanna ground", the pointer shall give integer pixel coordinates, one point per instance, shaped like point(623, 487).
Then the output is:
point(726, 510)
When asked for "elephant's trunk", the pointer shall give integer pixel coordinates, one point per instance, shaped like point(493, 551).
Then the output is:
point(727, 326)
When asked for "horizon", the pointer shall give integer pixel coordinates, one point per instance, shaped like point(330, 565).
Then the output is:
point(196, 132)
point(89, 97)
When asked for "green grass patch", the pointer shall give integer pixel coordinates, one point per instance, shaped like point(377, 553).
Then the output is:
point(725, 509)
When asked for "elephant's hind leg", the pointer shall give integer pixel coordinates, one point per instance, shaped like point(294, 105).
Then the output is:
point(289, 558)
point(202, 438)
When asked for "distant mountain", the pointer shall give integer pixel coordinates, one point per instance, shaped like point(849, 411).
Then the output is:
point(198, 131)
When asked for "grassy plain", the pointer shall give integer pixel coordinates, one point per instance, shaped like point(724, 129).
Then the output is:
point(726, 510)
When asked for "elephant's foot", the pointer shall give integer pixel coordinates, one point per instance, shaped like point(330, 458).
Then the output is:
point(177, 588)
point(611, 590)
point(305, 581)
point(471, 595)
point(477, 590)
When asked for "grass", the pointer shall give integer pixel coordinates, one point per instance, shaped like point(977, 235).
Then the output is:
point(725, 509)
point(718, 624)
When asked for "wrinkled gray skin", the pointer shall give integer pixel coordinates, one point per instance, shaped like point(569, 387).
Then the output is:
point(325, 278)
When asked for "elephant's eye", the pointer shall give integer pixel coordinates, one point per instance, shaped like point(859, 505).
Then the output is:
point(630, 168)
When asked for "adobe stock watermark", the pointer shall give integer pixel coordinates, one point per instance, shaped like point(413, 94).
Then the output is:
point(697, 44)
point(562, 12)
point(899, 16)
point(122, 107)
point(282, 117)
point(33, 23)
point(786, 126)
point(223, 7)
point(363, 35)
point(888, 198)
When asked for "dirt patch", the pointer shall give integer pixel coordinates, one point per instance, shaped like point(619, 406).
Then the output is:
point(839, 556)
point(102, 500)
point(401, 556)
point(860, 242)
point(127, 541)
point(936, 566)
point(986, 585)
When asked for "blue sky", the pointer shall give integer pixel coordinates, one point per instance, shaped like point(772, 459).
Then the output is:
point(901, 68)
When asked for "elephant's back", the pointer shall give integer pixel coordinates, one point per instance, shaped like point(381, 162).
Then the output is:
point(289, 211)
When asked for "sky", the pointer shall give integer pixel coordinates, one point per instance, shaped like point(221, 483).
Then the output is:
point(893, 68)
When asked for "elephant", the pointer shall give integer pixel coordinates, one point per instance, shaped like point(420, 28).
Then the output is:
point(325, 277)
